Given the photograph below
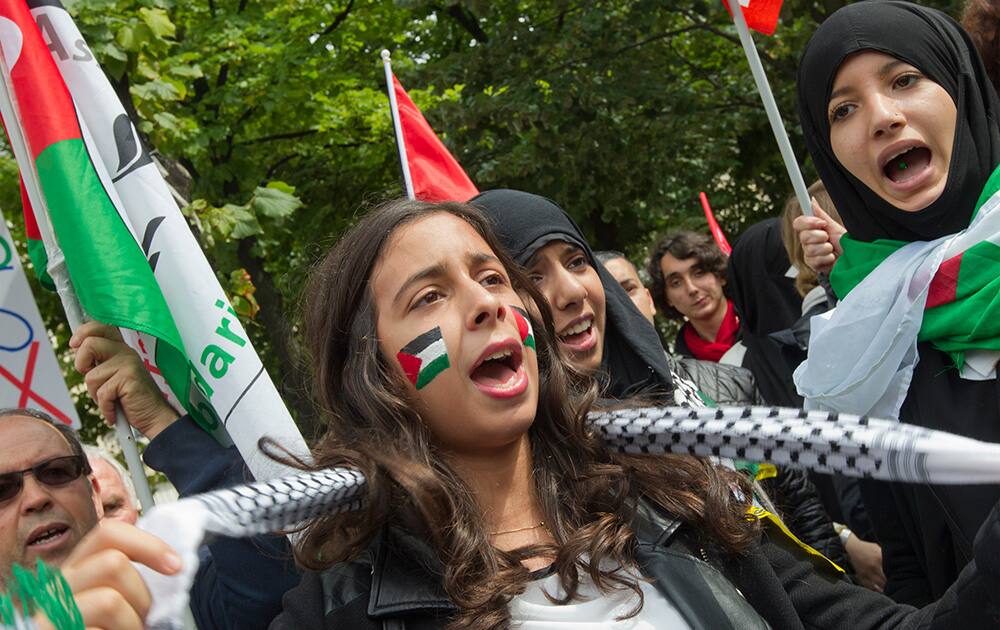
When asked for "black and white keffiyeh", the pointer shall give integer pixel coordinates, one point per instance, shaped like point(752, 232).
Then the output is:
point(854, 446)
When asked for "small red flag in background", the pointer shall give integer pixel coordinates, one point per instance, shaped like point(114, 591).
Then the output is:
point(761, 15)
point(434, 172)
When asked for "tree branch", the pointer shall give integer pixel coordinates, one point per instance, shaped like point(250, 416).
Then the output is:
point(288, 135)
point(467, 21)
point(338, 20)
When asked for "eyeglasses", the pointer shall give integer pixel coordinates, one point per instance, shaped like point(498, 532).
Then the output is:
point(55, 472)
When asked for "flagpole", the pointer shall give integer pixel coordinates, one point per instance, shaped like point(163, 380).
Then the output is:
point(771, 108)
point(60, 277)
point(404, 164)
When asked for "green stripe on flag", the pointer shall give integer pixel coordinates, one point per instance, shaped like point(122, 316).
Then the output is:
point(110, 274)
point(432, 369)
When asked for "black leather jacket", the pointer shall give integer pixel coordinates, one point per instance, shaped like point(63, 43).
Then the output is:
point(725, 384)
point(395, 585)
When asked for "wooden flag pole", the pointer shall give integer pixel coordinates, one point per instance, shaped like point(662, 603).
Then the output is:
point(404, 164)
point(60, 277)
point(771, 108)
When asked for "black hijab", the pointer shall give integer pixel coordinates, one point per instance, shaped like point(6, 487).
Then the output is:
point(766, 301)
point(933, 43)
point(633, 360)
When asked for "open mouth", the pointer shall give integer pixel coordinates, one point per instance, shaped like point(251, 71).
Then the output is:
point(580, 336)
point(499, 373)
point(907, 164)
point(48, 536)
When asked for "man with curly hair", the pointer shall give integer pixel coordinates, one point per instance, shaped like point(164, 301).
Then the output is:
point(689, 277)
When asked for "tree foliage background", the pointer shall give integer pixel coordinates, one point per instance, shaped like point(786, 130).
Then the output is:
point(271, 119)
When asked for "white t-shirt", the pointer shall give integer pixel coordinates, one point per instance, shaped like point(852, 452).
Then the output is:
point(592, 610)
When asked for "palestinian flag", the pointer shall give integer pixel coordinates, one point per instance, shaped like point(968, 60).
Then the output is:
point(97, 198)
point(524, 327)
point(424, 358)
point(761, 15)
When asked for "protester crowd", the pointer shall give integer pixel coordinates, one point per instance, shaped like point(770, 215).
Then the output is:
point(490, 504)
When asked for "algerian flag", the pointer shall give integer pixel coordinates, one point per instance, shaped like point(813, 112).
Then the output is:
point(130, 255)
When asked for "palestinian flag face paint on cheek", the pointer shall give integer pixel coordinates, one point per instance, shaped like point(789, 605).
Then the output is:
point(524, 327)
point(424, 358)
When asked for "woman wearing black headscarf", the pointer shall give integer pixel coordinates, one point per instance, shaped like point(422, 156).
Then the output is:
point(527, 223)
point(766, 302)
point(901, 121)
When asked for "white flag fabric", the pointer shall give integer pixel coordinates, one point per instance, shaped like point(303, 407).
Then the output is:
point(29, 373)
point(233, 394)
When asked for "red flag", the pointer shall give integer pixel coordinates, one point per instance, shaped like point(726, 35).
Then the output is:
point(435, 174)
point(713, 225)
point(761, 15)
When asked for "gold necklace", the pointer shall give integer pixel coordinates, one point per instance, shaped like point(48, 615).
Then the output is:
point(520, 529)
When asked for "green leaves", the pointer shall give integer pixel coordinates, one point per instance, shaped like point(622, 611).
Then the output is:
point(271, 204)
point(275, 201)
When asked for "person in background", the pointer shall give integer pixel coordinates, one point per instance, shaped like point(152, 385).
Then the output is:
point(628, 277)
point(817, 297)
point(841, 495)
point(689, 278)
point(980, 19)
point(117, 492)
point(50, 511)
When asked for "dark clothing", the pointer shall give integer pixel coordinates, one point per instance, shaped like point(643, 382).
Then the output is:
point(799, 505)
point(633, 362)
point(724, 384)
point(936, 45)
point(926, 532)
point(681, 348)
point(766, 301)
point(240, 582)
point(395, 584)
point(792, 491)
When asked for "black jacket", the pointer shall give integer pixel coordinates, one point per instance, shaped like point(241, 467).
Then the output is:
point(395, 584)
point(724, 384)
point(926, 531)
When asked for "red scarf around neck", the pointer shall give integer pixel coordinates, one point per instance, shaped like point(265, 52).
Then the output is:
point(724, 339)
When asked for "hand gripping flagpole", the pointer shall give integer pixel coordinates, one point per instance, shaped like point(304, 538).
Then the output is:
point(404, 163)
point(60, 276)
point(771, 108)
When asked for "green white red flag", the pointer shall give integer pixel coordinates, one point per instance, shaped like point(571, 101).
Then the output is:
point(130, 256)
point(761, 15)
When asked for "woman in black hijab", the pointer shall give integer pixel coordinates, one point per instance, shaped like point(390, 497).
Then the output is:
point(526, 223)
point(908, 170)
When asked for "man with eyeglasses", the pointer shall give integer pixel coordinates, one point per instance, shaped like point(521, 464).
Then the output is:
point(47, 495)
point(49, 511)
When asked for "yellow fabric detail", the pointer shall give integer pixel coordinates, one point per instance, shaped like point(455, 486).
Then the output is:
point(766, 471)
point(762, 514)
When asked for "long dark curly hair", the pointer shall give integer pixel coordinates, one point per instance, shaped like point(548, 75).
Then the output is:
point(586, 493)
point(981, 19)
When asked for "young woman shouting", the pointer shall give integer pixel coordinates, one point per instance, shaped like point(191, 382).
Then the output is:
point(490, 504)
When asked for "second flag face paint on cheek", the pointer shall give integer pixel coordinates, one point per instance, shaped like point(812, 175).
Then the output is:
point(523, 326)
point(424, 358)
